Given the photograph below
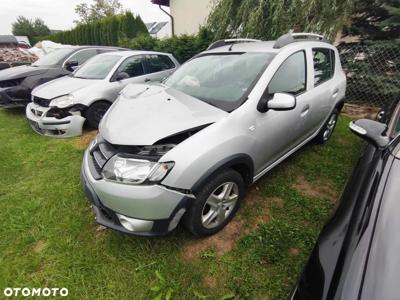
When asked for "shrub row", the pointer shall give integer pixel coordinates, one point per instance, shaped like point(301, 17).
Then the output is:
point(182, 47)
point(106, 31)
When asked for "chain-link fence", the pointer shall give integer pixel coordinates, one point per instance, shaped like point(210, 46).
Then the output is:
point(373, 73)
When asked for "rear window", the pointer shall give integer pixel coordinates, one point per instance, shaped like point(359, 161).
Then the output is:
point(158, 63)
point(324, 64)
point(54, 58)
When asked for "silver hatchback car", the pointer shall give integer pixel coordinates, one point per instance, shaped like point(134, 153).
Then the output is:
point(186, 149)
point(60, 107)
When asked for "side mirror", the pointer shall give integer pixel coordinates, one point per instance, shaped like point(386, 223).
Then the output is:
point(71, 65)
point(121, 76)
point(371, 131)
point(280, 101)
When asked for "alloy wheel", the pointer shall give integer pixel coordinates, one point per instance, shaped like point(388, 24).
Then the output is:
point(220, 205)
point(330, 127)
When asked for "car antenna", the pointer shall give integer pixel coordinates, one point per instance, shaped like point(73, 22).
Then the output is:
point(230, 48)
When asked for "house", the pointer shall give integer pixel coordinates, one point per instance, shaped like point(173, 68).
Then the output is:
point(159, 30)
point(8, 41)
point(186, 16)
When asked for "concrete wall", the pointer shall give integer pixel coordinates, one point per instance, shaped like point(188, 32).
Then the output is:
point(190, 14)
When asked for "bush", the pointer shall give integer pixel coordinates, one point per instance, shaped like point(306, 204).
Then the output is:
point(182, 47)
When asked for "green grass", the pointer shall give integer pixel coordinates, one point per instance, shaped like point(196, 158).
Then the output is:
point(49, 238)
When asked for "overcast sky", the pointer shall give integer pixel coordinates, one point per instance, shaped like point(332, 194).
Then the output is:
point(60, 14)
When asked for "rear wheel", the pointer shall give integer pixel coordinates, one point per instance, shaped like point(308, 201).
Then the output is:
point(329, 127)
point(216, 204)
point(95, 113)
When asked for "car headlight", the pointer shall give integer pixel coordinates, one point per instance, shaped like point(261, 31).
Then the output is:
point(135, 171)
point(63, 101)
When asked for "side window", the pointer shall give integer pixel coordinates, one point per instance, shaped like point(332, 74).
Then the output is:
point(324, 64)
point(133, 66)
point(158, 63)
point(83, 55)
point(395, 122)
point(290, 77)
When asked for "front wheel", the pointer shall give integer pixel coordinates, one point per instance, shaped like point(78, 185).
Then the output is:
point(216, 204)
point(329, 127)
point(95, 113)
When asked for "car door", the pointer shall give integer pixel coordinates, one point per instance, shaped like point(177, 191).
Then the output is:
point(158, 67)
point(277, 132)
point(394, 122)
point(326, 88)
point(134, 67)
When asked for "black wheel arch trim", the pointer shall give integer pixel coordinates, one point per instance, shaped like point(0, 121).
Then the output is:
point(240, 159)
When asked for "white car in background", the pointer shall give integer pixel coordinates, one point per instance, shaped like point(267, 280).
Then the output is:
point(60, 107)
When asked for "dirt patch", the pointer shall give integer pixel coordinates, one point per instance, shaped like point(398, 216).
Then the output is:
point(317, 190)
point(294, 251)
point(343, 141)
point(225, 240)
point(39, 247)
point(100, 232)
point(276, 201)
point(222, 242)
point(210, 282)
point(355, 111)
point(82, 142)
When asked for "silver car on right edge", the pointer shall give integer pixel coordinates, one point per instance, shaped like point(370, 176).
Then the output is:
point(187, 149)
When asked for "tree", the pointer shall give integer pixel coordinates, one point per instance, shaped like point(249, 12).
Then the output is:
point(376, 20)
point(97, 10)
point(25, 26)
point(40, 28)
point(268, 19)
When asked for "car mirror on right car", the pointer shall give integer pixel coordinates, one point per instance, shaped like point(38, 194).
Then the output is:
point(280, 101)
point(372, 131)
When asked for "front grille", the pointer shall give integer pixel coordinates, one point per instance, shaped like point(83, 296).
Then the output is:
point(41, 101)
point(11, 83)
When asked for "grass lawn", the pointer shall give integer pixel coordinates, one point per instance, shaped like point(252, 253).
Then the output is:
point(49, 237)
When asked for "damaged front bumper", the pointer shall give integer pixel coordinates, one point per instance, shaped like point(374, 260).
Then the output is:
point(13, 97)
point(45, 121)
point(144, 210)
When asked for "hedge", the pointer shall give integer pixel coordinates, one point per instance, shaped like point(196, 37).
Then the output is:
point(106, 31)
point(182, 47)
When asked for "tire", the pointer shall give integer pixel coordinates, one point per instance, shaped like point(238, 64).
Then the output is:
point(202, 217)
point(327, 130)
point(95, 113)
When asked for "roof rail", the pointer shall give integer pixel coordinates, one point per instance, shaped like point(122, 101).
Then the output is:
point(221, 43)
point(291, 37)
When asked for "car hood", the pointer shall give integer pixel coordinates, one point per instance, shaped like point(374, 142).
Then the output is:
point(62, 86)
point(145, 114)
point(21, 72)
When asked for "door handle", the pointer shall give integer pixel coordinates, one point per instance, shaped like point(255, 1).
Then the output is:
point(305, 110)
point(147, 80)
point(335, 93)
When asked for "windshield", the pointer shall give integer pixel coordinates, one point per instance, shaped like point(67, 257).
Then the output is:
point(97, 67)
point(53, 58)
point(221, 80)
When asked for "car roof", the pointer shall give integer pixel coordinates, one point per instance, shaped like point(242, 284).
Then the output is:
point(264, 46)
point(128, 53)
